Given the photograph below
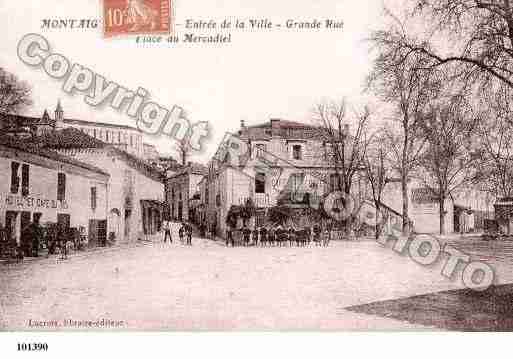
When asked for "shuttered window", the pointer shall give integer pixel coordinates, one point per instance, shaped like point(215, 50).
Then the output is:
point(25, 180)
point(15, 179)
point(93, 198)
point(61, 187)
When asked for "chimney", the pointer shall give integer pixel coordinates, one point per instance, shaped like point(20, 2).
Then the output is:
point(275, 122)
point(275, 126)
point(242, 127)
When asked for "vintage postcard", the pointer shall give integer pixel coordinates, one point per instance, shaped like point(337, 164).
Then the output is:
point(256, 166)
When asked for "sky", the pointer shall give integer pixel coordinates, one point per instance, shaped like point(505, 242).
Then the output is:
point(258, 76)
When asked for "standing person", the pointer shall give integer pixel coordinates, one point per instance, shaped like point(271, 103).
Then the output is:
point(37, 232)
point(228, 236)
point(189, 234)
point(326, 237)
point(181, 233)
point(167, 231)
point(271, 235)
point(263, 235)
point(317, 234)
point(293, 237)
point(255, 236)
point(246, 234)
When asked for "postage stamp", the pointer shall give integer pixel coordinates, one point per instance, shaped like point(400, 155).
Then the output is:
point(130, 17)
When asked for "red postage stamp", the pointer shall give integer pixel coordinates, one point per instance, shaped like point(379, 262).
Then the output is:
point(130, 17)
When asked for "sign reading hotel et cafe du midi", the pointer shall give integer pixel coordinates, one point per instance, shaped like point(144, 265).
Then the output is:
point(33, 202)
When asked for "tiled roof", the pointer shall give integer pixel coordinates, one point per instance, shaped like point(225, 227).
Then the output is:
point(71, 121)
point(72, 138)
point(69, 138)
point(30, 147)
point(283, 128)
point(11, 120)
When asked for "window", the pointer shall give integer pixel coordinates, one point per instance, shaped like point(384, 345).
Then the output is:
point(260, 150)
point(206, 195)
point(25, 180)
point(61, 186)
point(296, 152)
point(131, 141)
point(335, 183)
point(296, 181)
point(260, 183)
point(218, 200)
point(119, 137)
point(15, 179)
point(94, 133)
point(107, 136)
point(93, 198)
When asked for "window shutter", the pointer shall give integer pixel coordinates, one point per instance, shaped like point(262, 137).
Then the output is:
point(15, 179)
point(61, 186)
point(93, 198)
point(25, 180)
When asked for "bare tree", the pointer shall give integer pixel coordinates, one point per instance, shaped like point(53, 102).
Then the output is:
point(496, 142)
point(451, 158)
point(14, 94)
point(343, 150)
point(397, 80)
point(377, 172)
point(474, 35)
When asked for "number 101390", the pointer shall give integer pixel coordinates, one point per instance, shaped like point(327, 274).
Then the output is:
point(32, 347)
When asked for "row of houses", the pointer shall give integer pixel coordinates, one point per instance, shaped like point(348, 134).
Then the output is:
point(281, 157)
point(105, 179)
point(80, 174)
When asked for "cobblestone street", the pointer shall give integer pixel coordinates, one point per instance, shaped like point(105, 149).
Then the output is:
point(211, 287)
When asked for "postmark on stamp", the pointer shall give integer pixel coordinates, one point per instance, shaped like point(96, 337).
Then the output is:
point(130, 17)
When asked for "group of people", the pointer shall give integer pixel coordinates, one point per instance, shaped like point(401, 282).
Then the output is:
point(184, 232)
point(277, 235)
point(34, 237)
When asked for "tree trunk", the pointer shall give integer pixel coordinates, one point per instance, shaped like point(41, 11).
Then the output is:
point(349, 219)
point(377, 221)
point(404, 189)
point(442, 215)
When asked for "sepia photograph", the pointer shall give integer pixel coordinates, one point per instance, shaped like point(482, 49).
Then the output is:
point(255, 166)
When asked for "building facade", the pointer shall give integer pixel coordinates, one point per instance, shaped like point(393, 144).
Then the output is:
point(45, 187)
point(123, 137)
point(283, 164)
point(181, 189)
point(135, 205)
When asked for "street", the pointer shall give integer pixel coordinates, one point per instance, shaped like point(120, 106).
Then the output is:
point(211, 287)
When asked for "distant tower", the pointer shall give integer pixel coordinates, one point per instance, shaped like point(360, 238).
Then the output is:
point(46, 124)
point(59, 115)
point(46, 117)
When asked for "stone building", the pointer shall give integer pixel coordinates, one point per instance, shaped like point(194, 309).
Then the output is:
point(47, 187)
point(181, 190)
point(135, 189)
point(124, 137)
point(274, 162)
